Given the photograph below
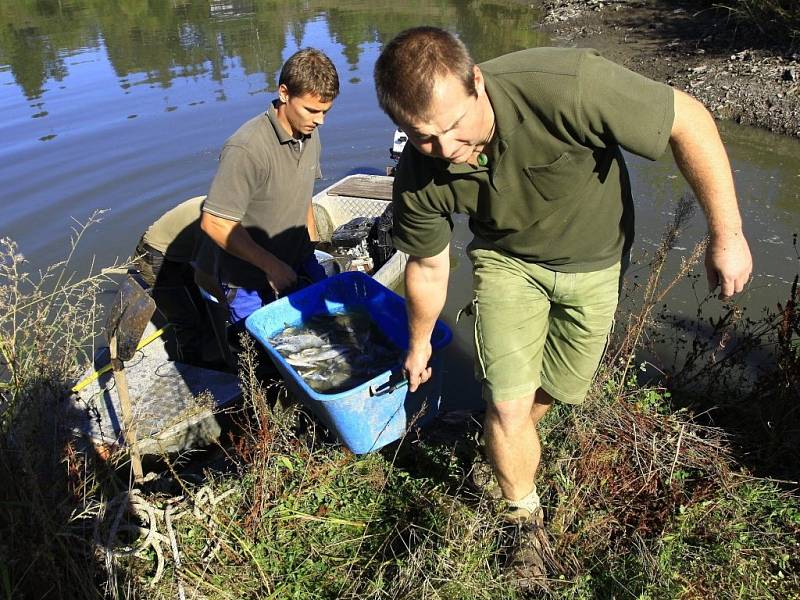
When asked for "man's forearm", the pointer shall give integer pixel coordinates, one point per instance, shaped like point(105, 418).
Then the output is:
point(426, 292)
point(702, 159)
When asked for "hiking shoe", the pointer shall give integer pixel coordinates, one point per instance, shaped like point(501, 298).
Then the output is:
point(481, 481)
point(517, 515)
point(525, 547)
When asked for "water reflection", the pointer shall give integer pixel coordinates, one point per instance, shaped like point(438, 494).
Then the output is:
point(156, 42)
point(126, 104)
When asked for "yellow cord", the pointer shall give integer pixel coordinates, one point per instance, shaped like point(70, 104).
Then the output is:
point(78, 387)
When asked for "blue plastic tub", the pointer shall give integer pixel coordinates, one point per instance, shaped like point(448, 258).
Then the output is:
point(378, 411)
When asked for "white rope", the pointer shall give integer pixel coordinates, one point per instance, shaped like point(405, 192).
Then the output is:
point(147, 534)
point(175, 554)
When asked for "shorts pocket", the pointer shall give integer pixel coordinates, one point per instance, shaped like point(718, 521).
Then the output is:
point(480, 359)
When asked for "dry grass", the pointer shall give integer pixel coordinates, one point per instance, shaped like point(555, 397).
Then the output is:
point(646, 504)
point(770, 17)
point(642, 501)
point(47, 324)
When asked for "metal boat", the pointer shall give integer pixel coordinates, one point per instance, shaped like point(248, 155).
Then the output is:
point(176, 405)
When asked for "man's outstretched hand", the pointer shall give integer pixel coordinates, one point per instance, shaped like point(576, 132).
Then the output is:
point(280, 276)
point(728, 265)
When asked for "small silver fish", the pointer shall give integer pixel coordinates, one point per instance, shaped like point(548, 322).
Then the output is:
point(330, 353)
point(333, 352)
point(313, 356)
point(297, 361)
point(297, 343)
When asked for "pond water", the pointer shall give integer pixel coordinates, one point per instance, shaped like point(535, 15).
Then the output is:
point(124, 104)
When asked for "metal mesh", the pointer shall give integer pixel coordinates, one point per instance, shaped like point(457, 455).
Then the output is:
point(332, 211)
point(163, 393)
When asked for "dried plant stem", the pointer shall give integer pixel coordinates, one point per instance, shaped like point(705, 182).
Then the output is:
point(653, 292)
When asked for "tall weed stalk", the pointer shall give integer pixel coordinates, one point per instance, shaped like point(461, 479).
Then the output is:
point(620, 359)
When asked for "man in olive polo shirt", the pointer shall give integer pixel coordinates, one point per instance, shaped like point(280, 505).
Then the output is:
point(529, 146)
point(168, 246)
point(258, 215)
point(163, 256)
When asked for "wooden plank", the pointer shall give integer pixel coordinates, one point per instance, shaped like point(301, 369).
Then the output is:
point(379, 188)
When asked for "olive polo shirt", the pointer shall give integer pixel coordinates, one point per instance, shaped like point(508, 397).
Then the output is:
point(265, 180)
point(555, 190)
point(176, 233)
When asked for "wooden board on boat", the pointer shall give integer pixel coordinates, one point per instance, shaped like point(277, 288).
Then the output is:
point(364, 186)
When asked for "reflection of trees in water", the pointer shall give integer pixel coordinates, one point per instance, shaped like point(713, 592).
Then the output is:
point(18, 46)
point(155, 42)
point(165, 43)
point(36, 35)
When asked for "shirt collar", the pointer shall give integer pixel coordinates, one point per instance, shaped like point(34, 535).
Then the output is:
point(283, 137)
point(508, 119)
point(507, 113)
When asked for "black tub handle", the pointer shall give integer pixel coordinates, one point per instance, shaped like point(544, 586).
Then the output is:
point(388, 387)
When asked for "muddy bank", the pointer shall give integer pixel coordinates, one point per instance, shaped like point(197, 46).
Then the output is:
point(739, 74)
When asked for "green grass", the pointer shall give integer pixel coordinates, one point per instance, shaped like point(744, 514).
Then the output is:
point(669, 515)
point(309, 520)
point(643, 500)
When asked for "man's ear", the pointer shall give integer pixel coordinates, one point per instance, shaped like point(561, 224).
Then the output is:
point(283, 93)
point(480, 82)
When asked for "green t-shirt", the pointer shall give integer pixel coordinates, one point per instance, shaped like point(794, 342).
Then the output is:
point(555, 190)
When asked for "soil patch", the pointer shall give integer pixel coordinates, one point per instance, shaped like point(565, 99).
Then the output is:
point(739, 74)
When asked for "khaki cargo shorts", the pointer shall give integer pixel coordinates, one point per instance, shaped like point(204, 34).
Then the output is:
point(539, 328)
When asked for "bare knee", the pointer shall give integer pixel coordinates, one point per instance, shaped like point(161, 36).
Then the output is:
point(542, 401)
point(508, 416)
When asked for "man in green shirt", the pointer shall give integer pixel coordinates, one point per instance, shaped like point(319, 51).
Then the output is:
point(168, 246)
point(529, 146)
point(163, 256)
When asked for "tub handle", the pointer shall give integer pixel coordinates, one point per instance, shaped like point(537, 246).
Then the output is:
point(388, 387)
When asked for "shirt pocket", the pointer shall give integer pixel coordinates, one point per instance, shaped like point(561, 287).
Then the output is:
point(559, 179)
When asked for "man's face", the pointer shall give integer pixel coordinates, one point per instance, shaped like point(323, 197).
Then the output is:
point(302, 114)
point(460, 124)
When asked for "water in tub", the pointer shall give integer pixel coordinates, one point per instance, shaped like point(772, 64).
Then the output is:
point(337, 352)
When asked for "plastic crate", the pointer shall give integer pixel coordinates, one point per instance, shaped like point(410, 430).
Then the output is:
point(376, 412)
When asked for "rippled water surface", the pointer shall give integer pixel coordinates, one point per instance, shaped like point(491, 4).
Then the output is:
point(124, 105)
